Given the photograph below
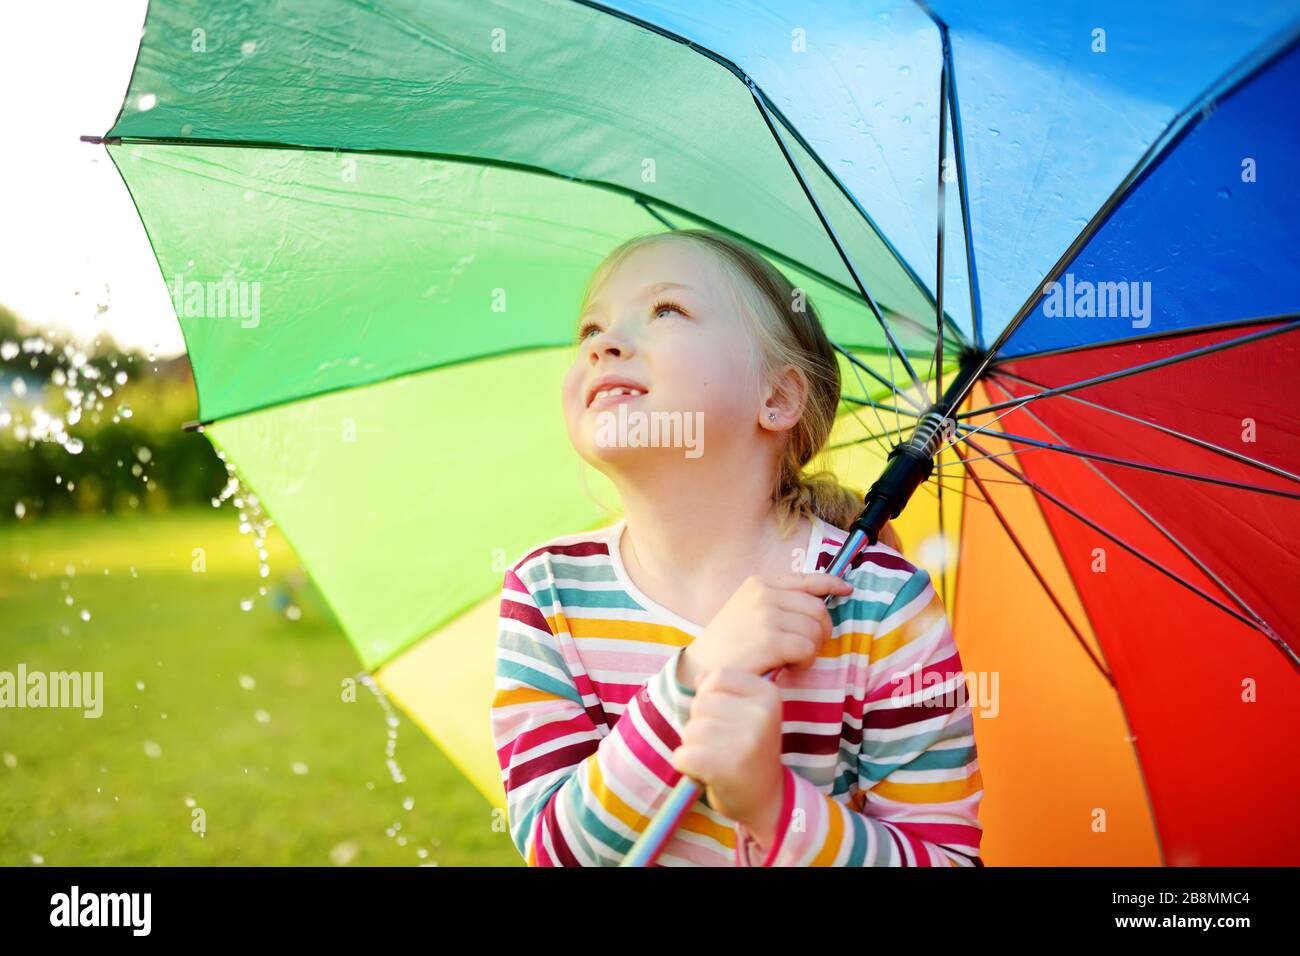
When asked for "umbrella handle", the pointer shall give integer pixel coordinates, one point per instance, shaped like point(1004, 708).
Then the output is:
point(678, 804)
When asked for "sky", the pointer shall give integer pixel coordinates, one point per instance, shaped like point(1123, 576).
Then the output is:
point(74, 257)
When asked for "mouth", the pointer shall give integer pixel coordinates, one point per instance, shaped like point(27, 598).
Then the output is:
point(608, 387)
point(610, 395)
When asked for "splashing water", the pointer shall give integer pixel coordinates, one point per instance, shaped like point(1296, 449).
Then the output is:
point(252, 520)
point(75, 378)
point(394, 769)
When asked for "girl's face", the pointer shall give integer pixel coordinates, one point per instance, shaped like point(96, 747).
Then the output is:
point(662, 322)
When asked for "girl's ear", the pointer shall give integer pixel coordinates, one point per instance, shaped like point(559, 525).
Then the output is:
point(784, 400)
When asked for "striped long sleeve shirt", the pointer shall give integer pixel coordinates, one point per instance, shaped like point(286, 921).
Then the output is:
point(878, 747)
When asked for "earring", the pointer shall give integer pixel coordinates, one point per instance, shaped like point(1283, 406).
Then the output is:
point(771, 416)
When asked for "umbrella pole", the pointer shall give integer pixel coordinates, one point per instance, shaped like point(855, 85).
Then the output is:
point(910, 463)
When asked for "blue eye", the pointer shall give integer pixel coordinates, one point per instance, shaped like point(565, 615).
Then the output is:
point(673, 306)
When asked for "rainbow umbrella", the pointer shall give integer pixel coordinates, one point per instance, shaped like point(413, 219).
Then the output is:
point(375, 221)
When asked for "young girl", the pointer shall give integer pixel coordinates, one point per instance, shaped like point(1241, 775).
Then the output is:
point(632, 654)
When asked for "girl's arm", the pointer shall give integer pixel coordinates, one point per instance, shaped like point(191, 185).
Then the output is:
point(575, 798)
point(918, 772)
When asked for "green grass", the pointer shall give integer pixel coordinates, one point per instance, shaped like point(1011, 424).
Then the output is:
point(173, 643)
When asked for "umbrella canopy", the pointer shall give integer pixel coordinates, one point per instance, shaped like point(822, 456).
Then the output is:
point(376, 221)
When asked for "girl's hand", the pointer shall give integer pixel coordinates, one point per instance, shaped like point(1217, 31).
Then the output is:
point(771, 621)
point(732, 745)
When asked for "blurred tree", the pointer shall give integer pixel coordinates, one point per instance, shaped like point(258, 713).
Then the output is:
point(134, 454)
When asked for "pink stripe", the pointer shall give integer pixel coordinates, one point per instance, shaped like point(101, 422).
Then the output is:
point(545, 733)
point(814, 711)
point(943, 833)
point(946, 669)
point(644, 753)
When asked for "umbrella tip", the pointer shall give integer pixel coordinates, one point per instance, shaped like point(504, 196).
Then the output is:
point(105, 140)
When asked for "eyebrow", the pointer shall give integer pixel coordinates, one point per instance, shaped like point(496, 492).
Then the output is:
point(645, 293)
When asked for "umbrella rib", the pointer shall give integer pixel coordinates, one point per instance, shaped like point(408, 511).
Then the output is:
point(1199, 442)
point(1178, 127)
point(877, 405)
point(959, 155)
point(959, 491)
point(936, 362)
point(640, 201)
point(1069, 509)
point(735, 70)
point(1264, 625)
point(874, 407)
point(1163, 336)
point(759, 99)
point(640, 198)
point(1106, 671)
point(1137, 369)
point(1038, 575)
point(858, 363)
point(1141, 466)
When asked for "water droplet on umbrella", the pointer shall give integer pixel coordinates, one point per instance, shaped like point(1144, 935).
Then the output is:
point(247, 682)
point(85, 615)
point(75, 446)
point(300, 768)
point(247, 605)
point(151, 749)
point(147, 102)
point(249, 47)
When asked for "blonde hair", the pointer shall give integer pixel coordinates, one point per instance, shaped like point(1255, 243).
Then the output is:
point(787, 331)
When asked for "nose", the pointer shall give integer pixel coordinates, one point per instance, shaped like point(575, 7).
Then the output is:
point(607, 342)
